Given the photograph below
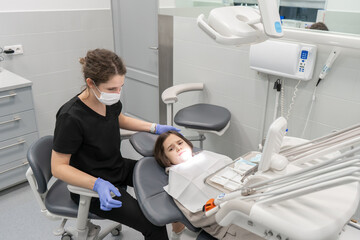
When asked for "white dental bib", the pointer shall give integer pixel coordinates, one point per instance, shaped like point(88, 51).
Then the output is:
point(187, 180)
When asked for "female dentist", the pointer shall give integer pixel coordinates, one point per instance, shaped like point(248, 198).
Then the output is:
point(86, 147)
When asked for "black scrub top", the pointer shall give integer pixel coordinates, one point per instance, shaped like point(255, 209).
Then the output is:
point(92, 139)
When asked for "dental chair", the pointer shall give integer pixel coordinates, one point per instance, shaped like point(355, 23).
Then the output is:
point(54, 199)
point(149, 179)
point(202, 118)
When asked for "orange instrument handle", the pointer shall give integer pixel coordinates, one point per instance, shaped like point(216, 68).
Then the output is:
point(209, 205)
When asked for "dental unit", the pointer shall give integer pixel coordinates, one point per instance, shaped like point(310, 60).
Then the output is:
point(295, 189)
point(306, 191)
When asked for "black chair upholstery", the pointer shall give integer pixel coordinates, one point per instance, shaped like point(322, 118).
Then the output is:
point(203, 116)
point(144, 143)
point(158, 207)
point(205, 236)
point(57, 199)
point(149, 179)
point(39, 156)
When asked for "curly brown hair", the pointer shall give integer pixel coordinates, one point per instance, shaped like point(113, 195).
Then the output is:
point(101, 64)
point(319, 26)
point(159, 151)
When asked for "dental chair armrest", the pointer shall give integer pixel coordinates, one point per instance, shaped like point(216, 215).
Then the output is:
point(82, 191)
point(170, 94)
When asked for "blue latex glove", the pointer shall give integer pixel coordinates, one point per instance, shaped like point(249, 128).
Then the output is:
point(164, 128)
point(103, 188)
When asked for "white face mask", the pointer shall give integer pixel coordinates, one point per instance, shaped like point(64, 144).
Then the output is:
point(107, 98)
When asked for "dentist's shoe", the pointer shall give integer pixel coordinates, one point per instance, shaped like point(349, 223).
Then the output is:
point(176, 236)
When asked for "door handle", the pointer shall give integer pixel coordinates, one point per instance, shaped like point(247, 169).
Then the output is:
point(154, 48)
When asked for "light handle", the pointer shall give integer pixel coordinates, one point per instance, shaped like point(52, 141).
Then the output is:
point(270, 18)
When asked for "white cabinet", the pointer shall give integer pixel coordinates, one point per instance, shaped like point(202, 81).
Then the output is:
point(18, 128)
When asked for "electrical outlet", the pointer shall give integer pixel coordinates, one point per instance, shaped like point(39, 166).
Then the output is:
point(13, 49)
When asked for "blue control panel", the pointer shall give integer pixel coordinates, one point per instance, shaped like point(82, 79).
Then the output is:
point(304, 54)
point(303, 57)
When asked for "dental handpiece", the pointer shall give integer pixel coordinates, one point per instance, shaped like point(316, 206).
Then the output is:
point(329, 62)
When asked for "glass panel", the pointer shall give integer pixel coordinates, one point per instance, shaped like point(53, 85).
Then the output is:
point(321, 15)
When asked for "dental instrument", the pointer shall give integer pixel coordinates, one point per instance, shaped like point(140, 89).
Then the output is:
point(299, 155)
point(328, 64)
point(347, 136)
point(277, 87)
point(335, 52)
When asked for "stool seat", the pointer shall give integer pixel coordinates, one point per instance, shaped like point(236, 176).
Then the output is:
point(203, 116)
point(59, 202)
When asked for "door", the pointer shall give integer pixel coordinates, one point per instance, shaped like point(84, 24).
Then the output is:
point(135, 26)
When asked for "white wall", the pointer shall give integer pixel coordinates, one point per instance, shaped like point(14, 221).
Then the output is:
point(53, 41)
point(343, 5)
point(37, 5)
point(167, 4)
point(229, 82)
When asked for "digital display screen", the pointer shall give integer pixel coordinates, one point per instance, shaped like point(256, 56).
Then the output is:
point(304, 54)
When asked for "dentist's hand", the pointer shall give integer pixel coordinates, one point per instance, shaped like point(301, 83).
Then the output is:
point(164, 128)
point(103, 188)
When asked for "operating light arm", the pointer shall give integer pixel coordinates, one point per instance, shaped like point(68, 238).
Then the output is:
point(252, 36)
point(243, 25)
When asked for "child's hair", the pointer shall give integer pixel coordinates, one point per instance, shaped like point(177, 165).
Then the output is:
point(159, 151)
point(319, 26)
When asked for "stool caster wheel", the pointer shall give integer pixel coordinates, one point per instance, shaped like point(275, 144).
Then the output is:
point(116, 231)
point(66, 236)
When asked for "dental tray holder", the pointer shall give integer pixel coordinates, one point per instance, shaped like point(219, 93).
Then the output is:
point(241, 174)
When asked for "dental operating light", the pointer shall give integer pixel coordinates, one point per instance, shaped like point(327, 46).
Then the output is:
point(243, 25)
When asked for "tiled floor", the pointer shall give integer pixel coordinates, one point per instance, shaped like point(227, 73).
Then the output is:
point(21, 219)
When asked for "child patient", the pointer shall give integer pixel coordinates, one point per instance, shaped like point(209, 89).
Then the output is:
point(172, 148)
point(167, 153)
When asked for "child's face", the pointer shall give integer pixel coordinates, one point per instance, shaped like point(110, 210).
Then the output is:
point(176, 149)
